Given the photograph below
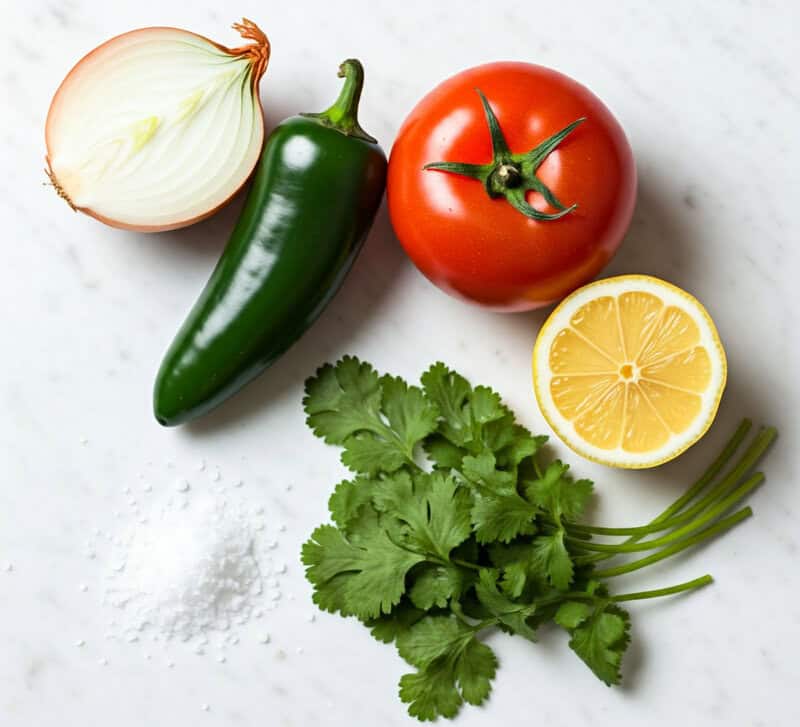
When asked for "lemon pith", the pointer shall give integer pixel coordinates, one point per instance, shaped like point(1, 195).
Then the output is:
point(629, 371)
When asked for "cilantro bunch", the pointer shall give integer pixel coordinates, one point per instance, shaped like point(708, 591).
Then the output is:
point(454, 523)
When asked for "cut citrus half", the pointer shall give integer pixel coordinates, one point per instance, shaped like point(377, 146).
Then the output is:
point(629, 371)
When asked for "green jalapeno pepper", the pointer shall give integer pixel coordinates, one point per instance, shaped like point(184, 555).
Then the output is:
point(314, 196)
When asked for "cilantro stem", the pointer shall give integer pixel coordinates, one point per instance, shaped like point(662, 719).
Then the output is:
point(711, 472)
point(749, 459)
point(632, 547)
point(665, 520)
point(432, 558)
point(464, 564)
point(658, 592)
point(565, 596)
point(637, 596)
point(718, 527)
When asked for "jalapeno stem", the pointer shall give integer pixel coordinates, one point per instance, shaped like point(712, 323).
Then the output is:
point(343, 113)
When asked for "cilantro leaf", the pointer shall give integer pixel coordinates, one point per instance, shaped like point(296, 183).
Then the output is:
point(501, 517)
point(371, 453)
point(598, 635)
point(512, 443)
point(515, 578)
point(575, 497)
point(431, 692)
point(409, 413)
point(449, 391)
point(378, 421)
point(363, 579)
point(510, 614)
point(486, 405)
point(435, 585)
point(433, 507)
point(549, 557)
point(465, 411)
point(473, 420)
point(475, 670)
point(481, 471)
point(557, 493)
point(347, 499)
point(432, 637)
point(444, 454)
point(499, 512)
point(387, 627)
point(571, 614)
point(343, 399)
point(453, 667)
point(514, 562)
point(520, 567)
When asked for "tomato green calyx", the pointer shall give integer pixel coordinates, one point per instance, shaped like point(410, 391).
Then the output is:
point(513, 175)
point(343, 114)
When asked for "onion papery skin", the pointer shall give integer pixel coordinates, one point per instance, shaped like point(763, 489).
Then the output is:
point(157, 128)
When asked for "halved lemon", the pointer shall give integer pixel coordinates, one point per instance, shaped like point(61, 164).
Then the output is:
point(629, 371)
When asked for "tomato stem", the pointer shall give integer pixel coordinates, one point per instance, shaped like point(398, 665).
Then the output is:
point(513, 175)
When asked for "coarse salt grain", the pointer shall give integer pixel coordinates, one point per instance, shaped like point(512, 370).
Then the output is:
point(190, 567)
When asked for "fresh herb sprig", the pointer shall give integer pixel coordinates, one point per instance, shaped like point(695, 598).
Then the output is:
point(454, 524)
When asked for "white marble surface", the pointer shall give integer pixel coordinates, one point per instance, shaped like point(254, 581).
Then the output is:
point(708, 93)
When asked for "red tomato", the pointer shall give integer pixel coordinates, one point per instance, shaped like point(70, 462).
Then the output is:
point(481, 248)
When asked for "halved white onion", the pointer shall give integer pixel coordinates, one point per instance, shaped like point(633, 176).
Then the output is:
point(157, 128)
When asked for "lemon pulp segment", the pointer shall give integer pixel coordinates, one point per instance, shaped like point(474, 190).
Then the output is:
point(631, 365)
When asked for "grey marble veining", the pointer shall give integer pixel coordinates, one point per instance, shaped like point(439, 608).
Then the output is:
point(708, 93)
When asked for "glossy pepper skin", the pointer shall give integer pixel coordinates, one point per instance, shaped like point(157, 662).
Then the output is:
point(314, 196)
